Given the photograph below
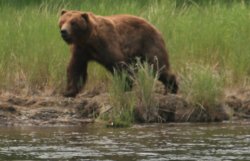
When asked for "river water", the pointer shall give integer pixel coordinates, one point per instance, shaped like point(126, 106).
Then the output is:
point(157, 142)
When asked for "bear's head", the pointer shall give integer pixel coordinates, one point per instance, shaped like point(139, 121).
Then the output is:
point(74, 26)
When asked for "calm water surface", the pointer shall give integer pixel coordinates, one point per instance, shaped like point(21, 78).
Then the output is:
point(158, 142)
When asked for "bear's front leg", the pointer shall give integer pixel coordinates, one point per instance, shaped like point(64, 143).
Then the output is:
point(76, 76)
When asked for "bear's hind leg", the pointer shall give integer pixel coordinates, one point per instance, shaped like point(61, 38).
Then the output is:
point(169, 81)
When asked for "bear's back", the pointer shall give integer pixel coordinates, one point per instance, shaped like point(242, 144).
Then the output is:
point(136, 34)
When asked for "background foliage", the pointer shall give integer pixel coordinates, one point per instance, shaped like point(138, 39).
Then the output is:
point(209, 33)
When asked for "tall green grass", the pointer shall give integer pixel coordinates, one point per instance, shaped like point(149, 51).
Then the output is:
point(209, 33)
point(202, 86)
point(123, 102)
point(145, 81)
point(31, 51)
point(138, 104)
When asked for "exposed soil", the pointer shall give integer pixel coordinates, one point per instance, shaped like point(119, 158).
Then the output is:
point(17, 110)
point(50, 110)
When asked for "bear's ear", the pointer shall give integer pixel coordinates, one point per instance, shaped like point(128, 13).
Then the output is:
point(85, 16)
point(63, 12)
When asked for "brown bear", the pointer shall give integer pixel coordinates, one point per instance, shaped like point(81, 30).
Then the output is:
point(111, 41)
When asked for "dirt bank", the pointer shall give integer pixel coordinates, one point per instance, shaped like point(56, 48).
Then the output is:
point(16, 110)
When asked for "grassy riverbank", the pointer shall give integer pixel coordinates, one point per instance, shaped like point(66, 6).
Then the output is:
point(208, 43)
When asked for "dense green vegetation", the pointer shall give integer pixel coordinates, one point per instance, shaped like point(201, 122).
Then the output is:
point(198, 33)
point(136, 105)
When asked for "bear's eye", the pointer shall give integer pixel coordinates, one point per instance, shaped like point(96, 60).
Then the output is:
point(73, 23)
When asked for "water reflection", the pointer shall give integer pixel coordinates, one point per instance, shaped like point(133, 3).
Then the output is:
point(144, 142)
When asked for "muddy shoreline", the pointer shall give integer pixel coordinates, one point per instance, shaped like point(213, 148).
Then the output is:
point(39, 110)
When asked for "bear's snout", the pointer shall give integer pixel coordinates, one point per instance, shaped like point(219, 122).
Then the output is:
point(64, 32)
point(65, 35)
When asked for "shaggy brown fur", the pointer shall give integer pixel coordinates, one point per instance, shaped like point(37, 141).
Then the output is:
point(111, 41)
